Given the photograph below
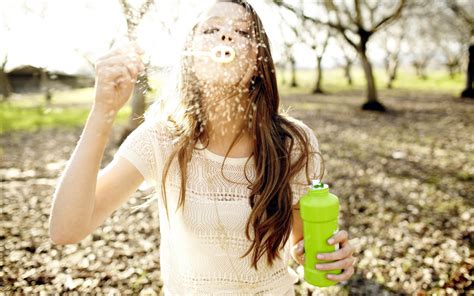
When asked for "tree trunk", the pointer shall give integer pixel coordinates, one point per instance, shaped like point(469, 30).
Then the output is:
point(45, 86)
point(283, 74)
point(347, 72)
point(420, 68)
point(392, 73)
point(293, 73)
point(5, 86)
point(468, 92)
point(372, 99)
point(452, 71)
point(319, 76)
point(138, 106)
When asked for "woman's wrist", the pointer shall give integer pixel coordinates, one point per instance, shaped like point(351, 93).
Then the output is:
point(101, 119)
point(104, 112)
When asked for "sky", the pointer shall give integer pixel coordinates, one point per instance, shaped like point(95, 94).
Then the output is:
point(59, 34)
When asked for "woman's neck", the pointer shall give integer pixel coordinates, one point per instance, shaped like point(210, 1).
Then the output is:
point(225, 120)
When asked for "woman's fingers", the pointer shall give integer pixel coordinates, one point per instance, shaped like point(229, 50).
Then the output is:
point(122, 75)
point(138, 49)
point(129, 52)
point(131, 62)
point(116, 74)
point(301, 259)
point(345, 275)
point(300, 247)
point(298, 252)
point(132, 65)
point(346, 251)
point(340, 237)
point(344, 263)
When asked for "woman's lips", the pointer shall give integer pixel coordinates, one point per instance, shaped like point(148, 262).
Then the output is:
point(220, 54)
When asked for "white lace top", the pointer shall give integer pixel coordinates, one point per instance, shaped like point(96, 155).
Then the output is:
point(194, 257)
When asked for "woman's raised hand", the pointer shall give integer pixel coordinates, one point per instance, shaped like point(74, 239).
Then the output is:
point(116, 74)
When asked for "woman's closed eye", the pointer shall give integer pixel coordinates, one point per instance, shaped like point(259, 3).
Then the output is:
point(210, 31)
point(244, 33)
point(214, 30)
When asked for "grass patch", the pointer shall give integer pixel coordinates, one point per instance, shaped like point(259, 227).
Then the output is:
point(70, 108)
point(15, 118)
point(334, 81)
point(59, 97)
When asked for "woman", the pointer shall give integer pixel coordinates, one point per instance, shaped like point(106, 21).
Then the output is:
point(229, 164)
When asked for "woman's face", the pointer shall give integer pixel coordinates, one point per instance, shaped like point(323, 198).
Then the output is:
point(226, 24)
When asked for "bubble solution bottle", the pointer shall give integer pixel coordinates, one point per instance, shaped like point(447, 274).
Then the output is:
point(320, 212)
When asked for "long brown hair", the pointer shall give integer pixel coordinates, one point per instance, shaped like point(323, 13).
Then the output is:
point(275, 135)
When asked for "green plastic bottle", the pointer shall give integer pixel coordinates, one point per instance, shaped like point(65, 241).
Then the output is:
point(320, 212)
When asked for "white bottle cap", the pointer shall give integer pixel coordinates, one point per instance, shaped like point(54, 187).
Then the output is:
point(316, 182)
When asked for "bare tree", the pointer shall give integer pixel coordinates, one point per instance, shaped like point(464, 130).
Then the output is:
point(436, 33)
point(289, 36)
point(451, 35)
point(349, 56)
point(172, 19)
point(422, 46)
point(357, 21)
point(290, 57)
point(5, 86)
point(320, 49)
point(317, 38)
point(453, 53)
point(391, 41)
point(281, 66)
point(45, 83)
point(308, 35)
point(465, 13)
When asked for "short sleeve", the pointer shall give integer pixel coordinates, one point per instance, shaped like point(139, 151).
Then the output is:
point(300, 184)
point(138, 150)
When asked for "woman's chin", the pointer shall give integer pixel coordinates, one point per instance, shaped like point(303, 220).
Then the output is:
point(220, 83)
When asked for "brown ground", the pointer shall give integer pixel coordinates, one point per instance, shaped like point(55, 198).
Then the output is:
point(404, 179)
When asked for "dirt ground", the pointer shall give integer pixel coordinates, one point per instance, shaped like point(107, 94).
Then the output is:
point(405, 180)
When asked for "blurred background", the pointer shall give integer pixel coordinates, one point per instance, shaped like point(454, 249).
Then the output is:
point(385, 85)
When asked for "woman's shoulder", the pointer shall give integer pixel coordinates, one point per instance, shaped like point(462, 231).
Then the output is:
point(159, 129)
point(309, 132)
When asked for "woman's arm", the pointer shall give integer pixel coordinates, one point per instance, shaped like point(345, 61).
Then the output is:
point(80, 197)
point(297, 226)
point(82, 201)
point(297, 231)
point(73, 200)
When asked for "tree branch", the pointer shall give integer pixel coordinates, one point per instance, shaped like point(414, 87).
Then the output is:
point(145, 7)
point(385, 21)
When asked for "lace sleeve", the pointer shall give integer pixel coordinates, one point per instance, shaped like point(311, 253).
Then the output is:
point(138, 150)
point(300, 185)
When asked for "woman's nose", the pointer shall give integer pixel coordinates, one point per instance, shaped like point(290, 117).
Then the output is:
point(226, 36)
